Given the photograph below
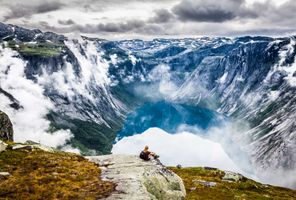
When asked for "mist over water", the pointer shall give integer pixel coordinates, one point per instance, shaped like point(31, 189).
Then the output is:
point(183, 148)
point(186, 135)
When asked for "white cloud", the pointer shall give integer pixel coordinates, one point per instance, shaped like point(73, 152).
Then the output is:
point(162, 74)
point(183, 148)
point(29, 121)
point(99, 18)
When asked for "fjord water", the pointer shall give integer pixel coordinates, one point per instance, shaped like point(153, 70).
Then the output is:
point(170, 117)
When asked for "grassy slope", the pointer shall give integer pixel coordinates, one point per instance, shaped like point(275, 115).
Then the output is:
point(44, 49)
point(247, 190)
point(43, 175)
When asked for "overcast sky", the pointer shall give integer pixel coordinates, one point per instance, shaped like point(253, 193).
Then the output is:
point(153, 18)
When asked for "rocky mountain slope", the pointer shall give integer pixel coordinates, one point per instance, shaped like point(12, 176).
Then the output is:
point(81, 90)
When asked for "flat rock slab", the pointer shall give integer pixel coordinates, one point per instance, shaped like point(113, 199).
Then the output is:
point(139, 180)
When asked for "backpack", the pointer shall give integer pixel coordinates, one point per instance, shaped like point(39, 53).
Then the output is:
point(144, 155)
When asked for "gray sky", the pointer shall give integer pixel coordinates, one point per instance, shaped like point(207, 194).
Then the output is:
point(114, 19)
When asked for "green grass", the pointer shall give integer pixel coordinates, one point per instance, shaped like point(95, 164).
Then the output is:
point(43, 49)
point(44, 175)
point(247, 189)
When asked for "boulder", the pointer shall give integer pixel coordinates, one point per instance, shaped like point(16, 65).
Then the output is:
point(4, 175)
point(3, 146)
point(233, 177)
point(139, 180)
point(6, 130)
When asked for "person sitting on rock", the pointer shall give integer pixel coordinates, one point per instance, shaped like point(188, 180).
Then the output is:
point(147, 155)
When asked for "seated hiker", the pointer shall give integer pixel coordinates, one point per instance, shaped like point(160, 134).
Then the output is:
point(147, 155)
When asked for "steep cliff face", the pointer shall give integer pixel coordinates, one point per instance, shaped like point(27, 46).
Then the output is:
point(6, 129)
point(59, 82)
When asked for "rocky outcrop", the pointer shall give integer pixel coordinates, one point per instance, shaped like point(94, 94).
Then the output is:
point(139, 180)
point(6, 130)
point(31, 146)
point(233, 177)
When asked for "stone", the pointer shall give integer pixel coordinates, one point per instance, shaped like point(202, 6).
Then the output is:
point(30, 142)
point(211, 168)
point(205, 183)
point(4, 175)
point(54, 173)
point(6, 129)
point(232, 176)
point(139, 180)
point(3, 146)
point(21, 146)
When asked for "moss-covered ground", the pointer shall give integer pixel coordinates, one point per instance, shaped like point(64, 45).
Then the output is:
point(43, 175)
point(242, 190)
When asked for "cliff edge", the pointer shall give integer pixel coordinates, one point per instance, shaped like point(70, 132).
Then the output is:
point(139, 180)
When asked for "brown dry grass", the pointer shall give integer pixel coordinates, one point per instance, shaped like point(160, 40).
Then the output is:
point(43, 175)
point(242, 190)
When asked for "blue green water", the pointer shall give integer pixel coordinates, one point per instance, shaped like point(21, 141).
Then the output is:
point(169, 117)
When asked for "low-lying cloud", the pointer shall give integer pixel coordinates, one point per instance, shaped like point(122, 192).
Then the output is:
point(29, 121)
point(183, 148)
